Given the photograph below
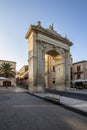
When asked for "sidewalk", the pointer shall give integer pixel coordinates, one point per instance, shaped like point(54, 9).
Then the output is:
point(11, 89)
point(77, 105)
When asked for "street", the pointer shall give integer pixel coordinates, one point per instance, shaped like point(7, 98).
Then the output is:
point(22, 111)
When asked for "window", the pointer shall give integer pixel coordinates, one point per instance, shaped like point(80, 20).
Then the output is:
point(78, 76)
point(78, 68)
point(53, 80)
point(53, 68)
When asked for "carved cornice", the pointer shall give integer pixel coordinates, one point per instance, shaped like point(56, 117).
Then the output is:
point(56, 36)
point(48, 47)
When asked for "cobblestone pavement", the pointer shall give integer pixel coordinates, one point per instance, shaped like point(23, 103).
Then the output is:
point(22, 111)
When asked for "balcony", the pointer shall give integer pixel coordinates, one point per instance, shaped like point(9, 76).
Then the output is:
point(78, 72)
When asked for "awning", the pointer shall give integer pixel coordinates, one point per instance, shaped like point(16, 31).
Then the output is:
point(85, 80)
point(78, 80)
point(4, 78)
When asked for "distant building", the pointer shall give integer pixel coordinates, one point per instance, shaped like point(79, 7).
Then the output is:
point(79, 75)
point(11, 81)
point(50, 72)
point(79, 70)
point(22, 76)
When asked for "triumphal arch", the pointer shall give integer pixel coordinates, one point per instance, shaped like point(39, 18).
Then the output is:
point(49, 59)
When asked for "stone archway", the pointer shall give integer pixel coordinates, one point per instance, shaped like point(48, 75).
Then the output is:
point(47, 41)
point(54, 70)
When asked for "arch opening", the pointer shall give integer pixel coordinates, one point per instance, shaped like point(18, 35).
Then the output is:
point(54, 70)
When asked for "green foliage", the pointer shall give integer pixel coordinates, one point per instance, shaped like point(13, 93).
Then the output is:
point(6, 70)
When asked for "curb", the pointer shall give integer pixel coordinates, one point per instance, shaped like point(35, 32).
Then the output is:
point(83, 113)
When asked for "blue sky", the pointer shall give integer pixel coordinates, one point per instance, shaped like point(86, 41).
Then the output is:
point(68, 16)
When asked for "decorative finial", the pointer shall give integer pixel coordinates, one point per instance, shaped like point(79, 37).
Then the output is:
point(38, 23)
point(51, 27)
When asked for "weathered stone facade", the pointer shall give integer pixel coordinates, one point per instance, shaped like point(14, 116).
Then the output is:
point(79, 70)
point(22, 76)
point(53, 71)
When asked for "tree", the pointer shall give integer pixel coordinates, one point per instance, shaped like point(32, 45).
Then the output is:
point(6, 70)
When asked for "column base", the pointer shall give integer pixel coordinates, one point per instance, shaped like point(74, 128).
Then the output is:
point(36, 88)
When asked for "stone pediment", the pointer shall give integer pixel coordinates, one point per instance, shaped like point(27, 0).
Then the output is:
point(48, 32)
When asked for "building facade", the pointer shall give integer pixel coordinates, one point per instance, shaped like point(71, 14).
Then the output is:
point(22, 76)
point(11, 81)
point(79, 75)
point(79, 70)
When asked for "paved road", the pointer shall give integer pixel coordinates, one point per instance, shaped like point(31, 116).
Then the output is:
point(21, 111)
